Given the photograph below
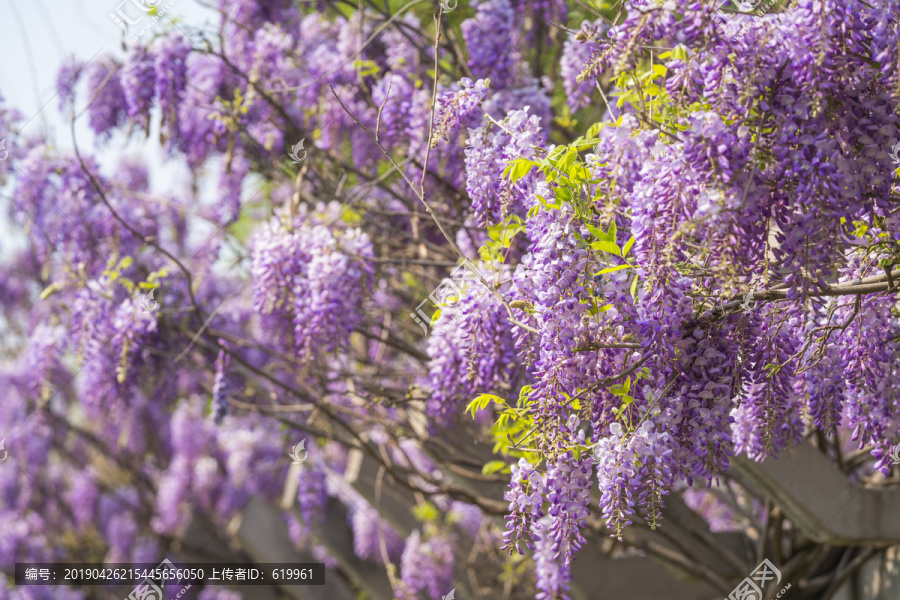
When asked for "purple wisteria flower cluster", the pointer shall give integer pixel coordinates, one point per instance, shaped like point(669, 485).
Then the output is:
point(609, 334)
point(454, 109)
point(311, 281)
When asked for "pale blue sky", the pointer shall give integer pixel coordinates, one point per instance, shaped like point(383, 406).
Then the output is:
point(37, 35)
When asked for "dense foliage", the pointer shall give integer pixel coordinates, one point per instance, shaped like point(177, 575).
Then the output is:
point(617, 191)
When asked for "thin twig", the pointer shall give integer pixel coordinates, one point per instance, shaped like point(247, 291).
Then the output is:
point(437, 221)
point(437, 39)
point(144, 239)
point(381, 108)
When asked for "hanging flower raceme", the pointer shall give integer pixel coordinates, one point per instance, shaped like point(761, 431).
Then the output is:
point(525, 496)
point(768, 419)
point(108, 109)
point(170, 64)
point(577, 51)
point(138, 80)
point(552, 575)
point(869, 348)
point(491, 39)
point(312, 494)
point(456, 109)
point(220, 384)
point(426, 567)
point(313, 280)
point(568, 491)
point(371, 531)
point(488, 151)
point(472, 352)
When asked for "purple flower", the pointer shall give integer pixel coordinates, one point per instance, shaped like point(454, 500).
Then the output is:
point(488, 152)
point(426, 567)
point(525, 496)
point(312, 494)
point(369, 530)
point(107, 108)
point(170, 65)
point(456, 108)
point(313, 279)
point(138, 80)
point(220, 385)
point(568, 485)
point(578, 50)
point(67, 79)
point(491, 41)
point(553, 575)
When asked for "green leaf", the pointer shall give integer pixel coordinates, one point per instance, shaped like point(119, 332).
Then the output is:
point(547, 204)
point(481, 402)
point(634, 288)
point(51, 289)
point(426, 513)
point(564, 194)
point(518, 169)
point(488, 398)
point(582, 174)
point(523, 305)
point(594, 130)
point(492, 467)
point(605, 236)
point(607, 247)
point(555, 153)
point(472, 407)
point(566, 163)
point(621, 389)
point(596, 232)
point(612, 269)
point(628, 245)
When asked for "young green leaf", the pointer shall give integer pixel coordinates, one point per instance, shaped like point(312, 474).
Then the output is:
point(612, 269)
point(607, 247)
point(492, 467)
